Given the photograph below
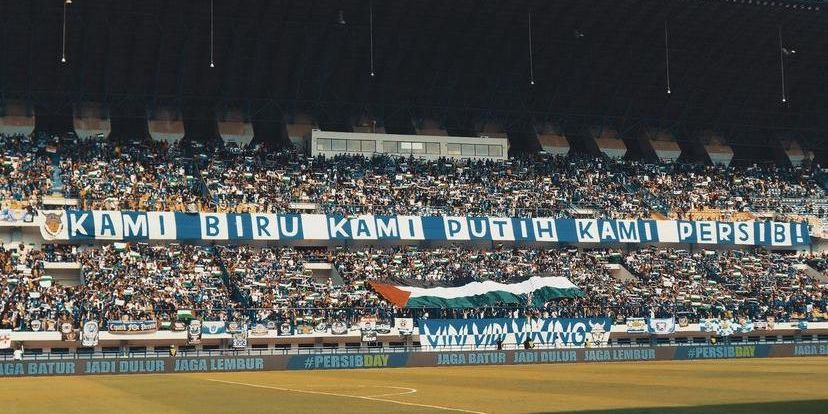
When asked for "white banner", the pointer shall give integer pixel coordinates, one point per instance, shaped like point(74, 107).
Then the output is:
point(79, 225)
point(89, 334)
point(661, 326)
point(404, 325)
point(5, 338)
point(636, 325)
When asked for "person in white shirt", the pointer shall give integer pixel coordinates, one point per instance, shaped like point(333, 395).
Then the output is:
point(18, 353)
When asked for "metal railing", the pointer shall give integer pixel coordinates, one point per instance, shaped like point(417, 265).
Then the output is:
point(618, 314)
point(347, 350)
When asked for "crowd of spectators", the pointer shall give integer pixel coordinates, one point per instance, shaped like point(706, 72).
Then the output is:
point(25, 172)
point(27, 294)
point(158, 176)
point(140, 281)
point(146, 282)
point(687, 187)
point(441, 266)
point(277, 286)
point(260, 181)
point(755, 284)
point(257, 180)
point(119, 282)
point(137, 176)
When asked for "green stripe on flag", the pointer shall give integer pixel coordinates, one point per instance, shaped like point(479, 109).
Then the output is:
point(539, 296)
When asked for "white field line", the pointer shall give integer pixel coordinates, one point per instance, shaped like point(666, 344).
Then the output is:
point(360, 397)
point(407, 391)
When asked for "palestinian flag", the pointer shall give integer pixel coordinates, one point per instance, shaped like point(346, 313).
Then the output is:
point(535, 290)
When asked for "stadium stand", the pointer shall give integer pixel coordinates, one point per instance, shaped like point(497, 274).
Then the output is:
point(145, 176)
point(136, 281)
point(159, 176)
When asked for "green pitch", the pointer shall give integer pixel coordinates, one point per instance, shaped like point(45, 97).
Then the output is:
point(796, 385)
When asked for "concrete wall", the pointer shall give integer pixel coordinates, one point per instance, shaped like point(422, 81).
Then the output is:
point(16, 119)
point(382, 358)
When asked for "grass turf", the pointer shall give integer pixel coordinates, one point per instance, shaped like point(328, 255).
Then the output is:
point(794, 385)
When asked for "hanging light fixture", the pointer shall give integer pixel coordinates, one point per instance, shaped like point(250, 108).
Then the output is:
point(531, 61)
point(782, 66)
point(66, 4)
point(667, 57)
point(371, 34)
point(212, 64)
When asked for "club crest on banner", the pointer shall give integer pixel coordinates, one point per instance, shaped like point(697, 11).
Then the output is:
point(259, 330)
point(404, 325)
point(339, 328)
point(234, 327)
point(67, 332)
point(213, 328)
point(661, 326)
point(598, 334)
point(194, 332)
point(285, 329)
point(383, 328)
point(636, 325)
point(53, 223)
point(89, 334)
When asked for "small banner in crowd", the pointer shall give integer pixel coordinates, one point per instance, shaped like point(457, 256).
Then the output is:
point(89, 334)
point(368, 323)
point(194, 332)
point(213, 328)
point(725, 327)
point(339, 328)
point(383, 327)
point(636, 325)
point(661, 326)
point(131, 327)
point(369, 336)
point(68, 332)
point(240, 339)
point(234, 327)
point(285, 329)
point(259, 330)
point(404, 325)
point(5, 338)
point(767, 324)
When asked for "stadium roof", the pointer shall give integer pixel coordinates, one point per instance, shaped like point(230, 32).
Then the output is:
point(594, 61)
